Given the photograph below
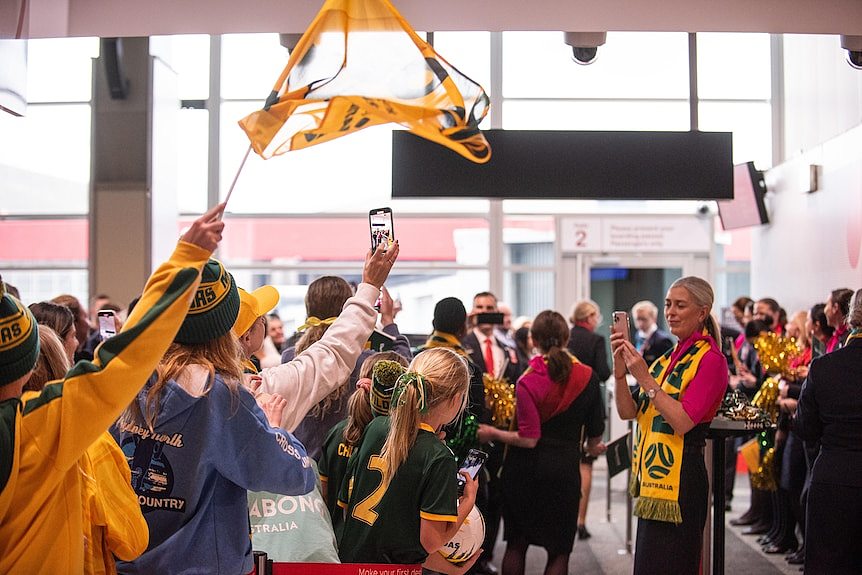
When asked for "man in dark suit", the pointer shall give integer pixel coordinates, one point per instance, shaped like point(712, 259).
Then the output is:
point(651, 341)
point(495, 358)
point(828, 411)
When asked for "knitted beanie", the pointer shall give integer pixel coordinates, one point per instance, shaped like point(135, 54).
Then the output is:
point(19, 338)
point(214, 307)
point(384, 376)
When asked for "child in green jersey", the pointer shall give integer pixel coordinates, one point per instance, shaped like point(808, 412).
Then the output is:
point(377, 378)
point(400, 492)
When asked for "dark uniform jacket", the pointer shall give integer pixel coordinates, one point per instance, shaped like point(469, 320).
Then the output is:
point(830, 410)
point(589, 348)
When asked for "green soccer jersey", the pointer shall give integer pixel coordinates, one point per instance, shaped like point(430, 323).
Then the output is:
point(382, 523)
point(332, 467)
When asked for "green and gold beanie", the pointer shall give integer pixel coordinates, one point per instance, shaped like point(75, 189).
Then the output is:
point(19, 338)
point(384, 376)
point(214, 307)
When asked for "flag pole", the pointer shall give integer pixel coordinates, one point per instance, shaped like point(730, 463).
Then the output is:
point(236, 177)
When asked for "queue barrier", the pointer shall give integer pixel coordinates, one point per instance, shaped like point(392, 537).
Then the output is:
point(263, 566)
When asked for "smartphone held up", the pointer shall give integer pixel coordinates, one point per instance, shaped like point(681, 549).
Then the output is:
point(381, 227)
point(107, 324)
point(622, 324)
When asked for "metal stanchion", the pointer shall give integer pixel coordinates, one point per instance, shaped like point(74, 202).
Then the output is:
point(629, 504)
point(610, 397)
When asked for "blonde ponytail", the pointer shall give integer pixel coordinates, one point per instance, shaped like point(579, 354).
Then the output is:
point(436, 375)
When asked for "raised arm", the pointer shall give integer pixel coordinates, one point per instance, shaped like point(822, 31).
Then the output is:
point(70, 414)
point(313, 374)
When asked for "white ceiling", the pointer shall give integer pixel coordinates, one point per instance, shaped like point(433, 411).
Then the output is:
point(60, 18)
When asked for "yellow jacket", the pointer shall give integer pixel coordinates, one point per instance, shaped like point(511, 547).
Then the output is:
point(43, 439)
point(113, 523)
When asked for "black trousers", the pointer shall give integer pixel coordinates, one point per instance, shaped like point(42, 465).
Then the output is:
point(489, 499)
point(833, 530)
point(666, 548)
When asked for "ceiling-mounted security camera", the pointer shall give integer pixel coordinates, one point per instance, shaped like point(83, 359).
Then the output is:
point(585, 45)
point(853, 45)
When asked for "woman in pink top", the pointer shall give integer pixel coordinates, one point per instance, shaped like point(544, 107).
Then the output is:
point(675, 400)
point(558, 402)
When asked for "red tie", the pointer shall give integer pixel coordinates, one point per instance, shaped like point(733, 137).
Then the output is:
point(489, 358)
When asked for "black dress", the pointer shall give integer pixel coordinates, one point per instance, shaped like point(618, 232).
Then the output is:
point(542, 486)
point(664, 547)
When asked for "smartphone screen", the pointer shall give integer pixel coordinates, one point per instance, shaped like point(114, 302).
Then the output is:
point(380, 224)
point(490, 317)
point(107, 327)
point(472, 464)
point(622, 325)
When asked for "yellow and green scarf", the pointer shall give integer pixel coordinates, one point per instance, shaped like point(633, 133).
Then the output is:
point(447, 340)
point(657, 458)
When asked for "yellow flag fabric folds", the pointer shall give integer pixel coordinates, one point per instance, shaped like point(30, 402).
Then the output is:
point(360, 64)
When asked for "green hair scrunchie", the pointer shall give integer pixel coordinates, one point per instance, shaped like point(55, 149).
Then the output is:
point(417, 381)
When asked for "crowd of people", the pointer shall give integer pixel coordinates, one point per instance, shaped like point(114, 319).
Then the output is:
point(201, 420)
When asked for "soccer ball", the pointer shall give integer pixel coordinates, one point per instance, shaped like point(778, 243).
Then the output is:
point(467, 541)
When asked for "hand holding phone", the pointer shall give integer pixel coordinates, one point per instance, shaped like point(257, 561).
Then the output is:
point(489, 318)
point(381, 228)
point(107, 324)
point(472, 464)
point(622, 325)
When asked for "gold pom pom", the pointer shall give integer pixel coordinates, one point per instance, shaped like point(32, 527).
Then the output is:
point(764, 477)
point(766, 398)
point(776, 352)
point(500, 400)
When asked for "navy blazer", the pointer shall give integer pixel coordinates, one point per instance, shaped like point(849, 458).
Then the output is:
point(514, 368)
point(589, 348)
point(656, 345)
point(830, 410)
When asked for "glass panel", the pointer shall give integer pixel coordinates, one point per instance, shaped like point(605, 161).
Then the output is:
point(733, 66)
point(53, 242)
point(61, 70)
point(26, 244)
point(469, 52)
point(418, 291)
point(751, 124)
point(193, 160)
point(43, 168)
point(539, 65)
point(334, 241)
point(251, 64)
point(190, 58)
point(595, 115)
point(529, 240)
point(44, 285)
point(350, 174)
point(528, 293)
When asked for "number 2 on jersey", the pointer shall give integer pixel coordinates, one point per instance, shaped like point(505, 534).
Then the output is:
point(364, 510)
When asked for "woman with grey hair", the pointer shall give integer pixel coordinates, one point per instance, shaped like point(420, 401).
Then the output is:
point(830, 410)
point(674, 403)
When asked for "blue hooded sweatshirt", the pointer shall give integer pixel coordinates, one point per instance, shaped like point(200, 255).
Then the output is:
point(192, 474)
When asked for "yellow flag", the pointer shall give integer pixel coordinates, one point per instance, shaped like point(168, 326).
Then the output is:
point(360, 64)
point(750, 451)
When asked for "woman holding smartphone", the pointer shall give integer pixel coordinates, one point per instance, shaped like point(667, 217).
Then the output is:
point(557, 398)
point(675, 401)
